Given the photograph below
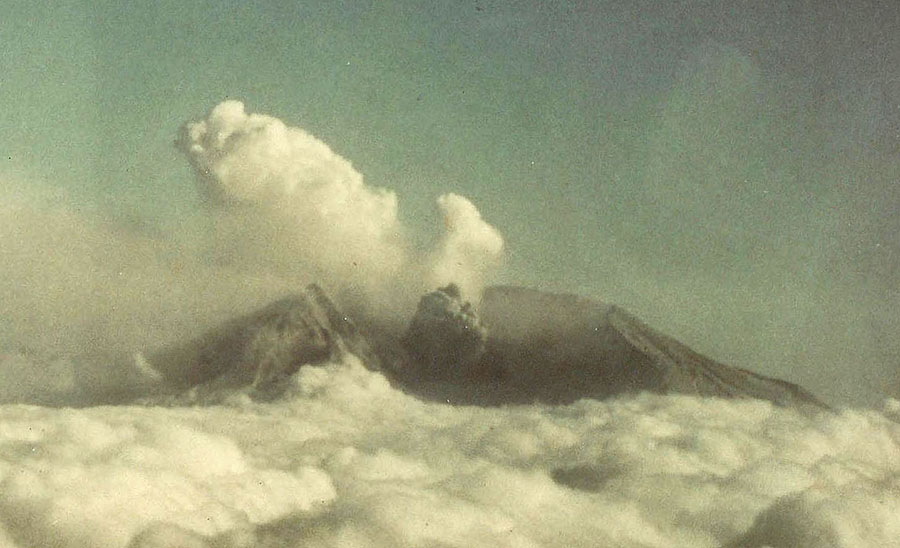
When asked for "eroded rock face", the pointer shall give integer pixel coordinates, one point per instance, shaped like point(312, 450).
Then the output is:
point(262, 350)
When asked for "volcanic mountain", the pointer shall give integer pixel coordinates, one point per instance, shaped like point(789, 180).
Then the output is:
point(520, 346)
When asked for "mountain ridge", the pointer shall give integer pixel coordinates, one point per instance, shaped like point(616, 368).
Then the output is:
point(537, 347)
point(617, 351)
point(259, 351)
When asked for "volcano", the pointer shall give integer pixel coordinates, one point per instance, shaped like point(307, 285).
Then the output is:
point(529, 347)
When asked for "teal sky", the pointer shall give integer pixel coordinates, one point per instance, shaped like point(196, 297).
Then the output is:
point(726, 170)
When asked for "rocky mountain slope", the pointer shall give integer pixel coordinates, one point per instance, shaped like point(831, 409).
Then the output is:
point(520, 346)
point(260, 351)
point(558, 348)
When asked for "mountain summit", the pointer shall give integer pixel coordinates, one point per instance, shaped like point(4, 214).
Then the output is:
point(522, 346)
point(259, 352)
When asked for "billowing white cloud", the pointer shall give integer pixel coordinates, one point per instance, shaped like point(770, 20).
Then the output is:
point(286, 201)
point(289, 202)
point(347, 460)
point(95, 478)
point(469, 247)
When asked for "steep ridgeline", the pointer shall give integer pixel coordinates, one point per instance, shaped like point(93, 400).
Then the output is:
point(260, 351)
point(559, 348)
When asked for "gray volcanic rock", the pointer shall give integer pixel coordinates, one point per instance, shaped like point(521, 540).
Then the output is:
point(559, 348)
point(263, 349)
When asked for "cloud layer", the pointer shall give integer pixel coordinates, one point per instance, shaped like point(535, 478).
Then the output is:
point(349, 461)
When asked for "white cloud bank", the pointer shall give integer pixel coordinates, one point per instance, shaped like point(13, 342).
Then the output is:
point(348, 461)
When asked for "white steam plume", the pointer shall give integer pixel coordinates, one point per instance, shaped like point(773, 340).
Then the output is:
point(289, 201)
point(469, 248)
point(285, 201)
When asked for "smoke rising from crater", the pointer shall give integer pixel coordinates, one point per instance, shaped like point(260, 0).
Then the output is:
point(283, 200)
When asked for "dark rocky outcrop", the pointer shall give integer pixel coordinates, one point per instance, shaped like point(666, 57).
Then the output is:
point(525, 346)
point(445, 337)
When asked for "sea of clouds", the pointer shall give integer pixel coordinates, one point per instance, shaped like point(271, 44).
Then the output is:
point(347, 460)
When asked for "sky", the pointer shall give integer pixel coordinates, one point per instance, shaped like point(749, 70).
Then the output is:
point(725, 170)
